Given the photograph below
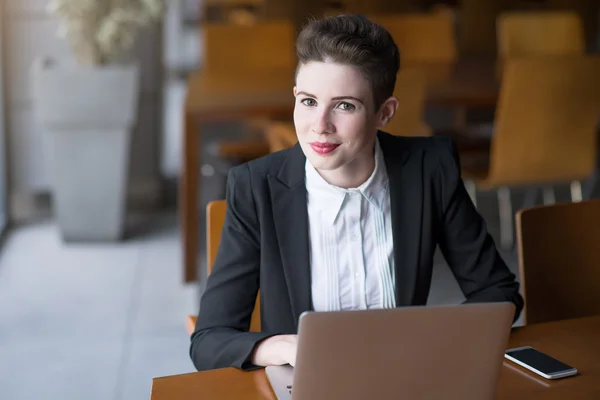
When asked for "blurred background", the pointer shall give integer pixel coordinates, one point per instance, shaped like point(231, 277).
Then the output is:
point(110, 153)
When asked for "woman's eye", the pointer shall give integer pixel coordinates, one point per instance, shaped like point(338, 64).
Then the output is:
point(346, 106)
point(308, 102)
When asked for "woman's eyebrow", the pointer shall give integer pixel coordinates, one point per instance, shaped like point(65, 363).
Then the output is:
point(347, 98)
point(333, 98)
point(306, 94)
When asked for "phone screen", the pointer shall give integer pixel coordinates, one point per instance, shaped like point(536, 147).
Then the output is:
point(538, 360)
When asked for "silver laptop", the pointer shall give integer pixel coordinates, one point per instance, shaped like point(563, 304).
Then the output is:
point(441, 352)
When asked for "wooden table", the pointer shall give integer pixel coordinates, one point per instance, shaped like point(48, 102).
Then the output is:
point(575, 342)
point(268, 94)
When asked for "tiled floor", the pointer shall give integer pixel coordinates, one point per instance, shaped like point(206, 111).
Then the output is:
point(91, 321)
point(100, 321)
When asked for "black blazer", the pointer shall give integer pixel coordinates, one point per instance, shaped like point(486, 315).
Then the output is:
point(264, 244)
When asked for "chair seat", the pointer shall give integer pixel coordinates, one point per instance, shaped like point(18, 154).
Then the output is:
point(190, 324)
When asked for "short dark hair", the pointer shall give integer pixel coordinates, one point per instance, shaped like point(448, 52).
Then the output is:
point(353, 40)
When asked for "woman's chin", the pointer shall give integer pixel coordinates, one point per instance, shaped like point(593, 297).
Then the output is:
point(324, 163)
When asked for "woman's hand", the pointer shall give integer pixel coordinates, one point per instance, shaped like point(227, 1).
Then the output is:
point(276, 350)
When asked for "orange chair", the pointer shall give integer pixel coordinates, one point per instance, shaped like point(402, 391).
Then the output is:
point(538, 34)
point(215, 218)
point(587, 11)
point(422, 37)
point(544, 33)
point(544, 132)
point(411, 91)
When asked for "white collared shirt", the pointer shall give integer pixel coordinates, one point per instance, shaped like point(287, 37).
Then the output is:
point(350, 241)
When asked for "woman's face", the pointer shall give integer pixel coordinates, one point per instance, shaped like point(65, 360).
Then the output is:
point(335, 118)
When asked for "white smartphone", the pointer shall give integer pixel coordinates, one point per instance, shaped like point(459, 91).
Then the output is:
point(540, 363)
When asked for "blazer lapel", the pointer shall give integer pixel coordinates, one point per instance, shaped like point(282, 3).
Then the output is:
point(406, 203)
point(290, 214)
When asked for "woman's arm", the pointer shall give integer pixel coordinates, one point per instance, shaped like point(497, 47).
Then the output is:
point(465, 242)
point(221, 338)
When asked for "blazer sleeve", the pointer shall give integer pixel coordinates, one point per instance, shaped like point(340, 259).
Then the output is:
point(221, 338)
point(465, 242)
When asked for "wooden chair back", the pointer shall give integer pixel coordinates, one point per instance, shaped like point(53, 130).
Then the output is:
point(587, 11)
point(545, 127)
point(215, 218)
point(421, 37)
point(231, 48)
point(559, 260)
point(411, 91)
point(544, 33)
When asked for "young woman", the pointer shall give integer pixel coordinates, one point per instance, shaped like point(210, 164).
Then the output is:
point(349, 218)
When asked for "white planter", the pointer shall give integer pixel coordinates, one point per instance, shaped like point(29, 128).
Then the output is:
point(89, 114)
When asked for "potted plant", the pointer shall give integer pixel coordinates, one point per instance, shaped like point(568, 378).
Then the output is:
point(89, 108)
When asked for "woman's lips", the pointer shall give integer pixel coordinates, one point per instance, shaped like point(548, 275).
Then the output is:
point(323, 147)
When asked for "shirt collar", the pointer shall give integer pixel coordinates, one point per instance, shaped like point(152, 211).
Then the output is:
point(331, 198)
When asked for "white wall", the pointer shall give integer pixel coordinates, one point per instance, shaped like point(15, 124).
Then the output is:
point(182, 46)
point(3, 177)
point(30, 33)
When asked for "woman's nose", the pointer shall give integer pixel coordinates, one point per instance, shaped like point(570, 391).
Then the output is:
point(322, 123)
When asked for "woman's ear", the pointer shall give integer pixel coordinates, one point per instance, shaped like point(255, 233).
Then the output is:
point(387, 112)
